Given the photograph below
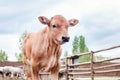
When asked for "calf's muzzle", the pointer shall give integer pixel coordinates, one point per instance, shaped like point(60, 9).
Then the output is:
point(65, 38)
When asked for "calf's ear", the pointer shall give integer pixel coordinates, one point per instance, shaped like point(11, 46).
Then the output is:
point(73, 22)
point(43, 20)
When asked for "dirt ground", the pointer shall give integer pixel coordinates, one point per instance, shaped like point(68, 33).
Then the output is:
point(84, 78)
point(100, 78)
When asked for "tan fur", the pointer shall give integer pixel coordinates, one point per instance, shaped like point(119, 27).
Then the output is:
point(42, 49)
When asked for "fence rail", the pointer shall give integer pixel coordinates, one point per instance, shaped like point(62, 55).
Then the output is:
point(71, 70)
point(93, 68)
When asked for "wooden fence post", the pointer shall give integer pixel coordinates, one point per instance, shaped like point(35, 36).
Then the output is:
point(67, 69)
point(92, 65)
point(71, 61)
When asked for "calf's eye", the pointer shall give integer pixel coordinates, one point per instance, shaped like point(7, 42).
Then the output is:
point(54, 26)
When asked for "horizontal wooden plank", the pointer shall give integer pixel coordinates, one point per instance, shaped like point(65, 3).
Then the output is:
point(107, 60)
point(79, 54)
point(107, 66)
point(82, 54)
point(62, 70)
point(78, 64)
point(107, 49)
point(76, 55)
point(79, 69)
point(79, 73)
point(107, 71)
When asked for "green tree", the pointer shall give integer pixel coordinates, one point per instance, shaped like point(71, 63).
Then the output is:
point(3, 56)
point(21, 40)
point(83, 48)
point(19, 56)
point(75, 44)
point(79, 46)
point(65, 54)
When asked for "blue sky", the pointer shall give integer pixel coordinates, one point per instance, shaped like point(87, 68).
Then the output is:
point(99, 21)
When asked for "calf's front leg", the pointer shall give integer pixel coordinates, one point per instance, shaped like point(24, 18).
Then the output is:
point(35, 73)
point(55, 72)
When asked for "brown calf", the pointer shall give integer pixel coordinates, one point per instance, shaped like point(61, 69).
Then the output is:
point(42, 50)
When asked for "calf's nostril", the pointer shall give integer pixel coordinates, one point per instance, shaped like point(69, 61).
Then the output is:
point(65, 39)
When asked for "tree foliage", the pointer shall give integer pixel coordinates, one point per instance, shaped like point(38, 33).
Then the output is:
point(19, 56)
point(82, 46)
point(65, 54)
point(21, 40)
point(3, 56)
point(75, 44)
point(79, 46)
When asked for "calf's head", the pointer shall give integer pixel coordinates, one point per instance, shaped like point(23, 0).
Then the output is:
point(58, 27)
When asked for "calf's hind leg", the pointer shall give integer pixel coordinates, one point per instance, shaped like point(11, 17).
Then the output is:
point(27, 71)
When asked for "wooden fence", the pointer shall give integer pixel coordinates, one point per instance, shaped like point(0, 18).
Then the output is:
point(71, 70)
